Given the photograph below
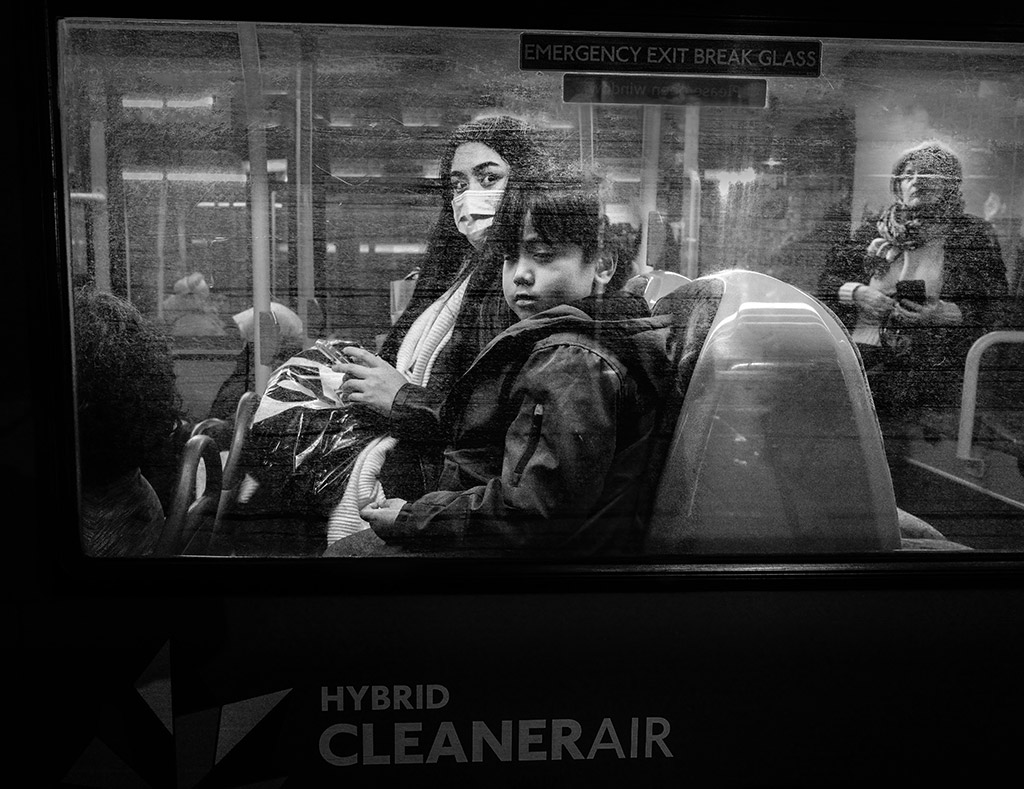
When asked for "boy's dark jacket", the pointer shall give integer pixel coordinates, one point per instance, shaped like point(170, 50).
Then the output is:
point(550, 435)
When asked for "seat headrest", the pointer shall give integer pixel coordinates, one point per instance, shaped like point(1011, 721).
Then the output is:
point(653, 285)
point(693, 306)
point(776, 447)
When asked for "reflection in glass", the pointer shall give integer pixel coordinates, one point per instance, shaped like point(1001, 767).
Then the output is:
point(292, 172)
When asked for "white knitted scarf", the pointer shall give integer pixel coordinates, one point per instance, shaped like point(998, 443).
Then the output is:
point(427, 336)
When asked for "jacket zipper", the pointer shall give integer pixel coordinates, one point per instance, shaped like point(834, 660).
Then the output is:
point(531, 444)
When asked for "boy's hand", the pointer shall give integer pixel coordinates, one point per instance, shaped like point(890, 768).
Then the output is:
point(369, 380)
point(382, 514)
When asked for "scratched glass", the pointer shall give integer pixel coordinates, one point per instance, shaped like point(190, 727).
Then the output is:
point(295, 169)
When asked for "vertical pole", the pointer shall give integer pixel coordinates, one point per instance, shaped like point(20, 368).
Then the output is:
point(264, 334)
point(1015, 271)
point(100, 217)
point(691, 248)
point(305, 276)
point(182, 237)
point(649, 178)
point(161, 262)
point(127, 250)
point(273, 240)
point(586, 112)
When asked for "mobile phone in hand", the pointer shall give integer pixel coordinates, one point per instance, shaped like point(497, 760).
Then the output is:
point(911, 290)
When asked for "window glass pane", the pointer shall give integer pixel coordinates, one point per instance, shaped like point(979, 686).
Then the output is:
point(254, 191)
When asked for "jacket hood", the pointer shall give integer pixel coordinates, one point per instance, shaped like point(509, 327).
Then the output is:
point(619, 321)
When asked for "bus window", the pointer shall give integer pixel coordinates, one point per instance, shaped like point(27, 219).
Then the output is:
point(290, 173)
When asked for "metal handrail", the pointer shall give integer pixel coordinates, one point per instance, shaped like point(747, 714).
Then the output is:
point(969, 398)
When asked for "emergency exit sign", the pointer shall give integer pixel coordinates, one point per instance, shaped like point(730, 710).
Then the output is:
point(643, 89)
point(749, 57)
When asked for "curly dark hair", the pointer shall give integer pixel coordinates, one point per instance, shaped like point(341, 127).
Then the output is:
point(128, 402)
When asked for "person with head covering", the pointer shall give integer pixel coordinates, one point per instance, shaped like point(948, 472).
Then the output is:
point(914, 346)
point(288, 322)
point(290, 339)
point(190, 310)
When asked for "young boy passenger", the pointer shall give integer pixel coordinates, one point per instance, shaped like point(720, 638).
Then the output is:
point(551, 425)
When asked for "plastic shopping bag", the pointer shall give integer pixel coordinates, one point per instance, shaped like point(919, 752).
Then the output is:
point(304, 440)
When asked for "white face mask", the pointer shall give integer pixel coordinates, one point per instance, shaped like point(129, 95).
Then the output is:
point(474, 212)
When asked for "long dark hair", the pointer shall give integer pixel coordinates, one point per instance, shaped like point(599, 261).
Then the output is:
point(519, 144)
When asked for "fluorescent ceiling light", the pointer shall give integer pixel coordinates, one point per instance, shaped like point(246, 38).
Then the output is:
point(163, 102)
point(142, 104)
point(273, 166)
point(190, 104)
point(192, 175)
point(421, 116)
point(342, 119)
point(400, 249)
point(355, 170)
point(142, 175)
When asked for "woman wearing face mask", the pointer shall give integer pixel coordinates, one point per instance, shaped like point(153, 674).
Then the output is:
point(456, 309)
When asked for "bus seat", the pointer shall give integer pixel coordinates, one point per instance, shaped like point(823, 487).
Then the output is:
point(652, 285)
point(193, 510)
point(776, 446)
point(233, 470)
point(247, 404)
point(212, 426)
point(693, 306)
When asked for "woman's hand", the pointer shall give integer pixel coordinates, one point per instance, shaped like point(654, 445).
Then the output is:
point(382, 514)
point(369, 380)
point(884, 249)
point(873, 302)
point(931, 313)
